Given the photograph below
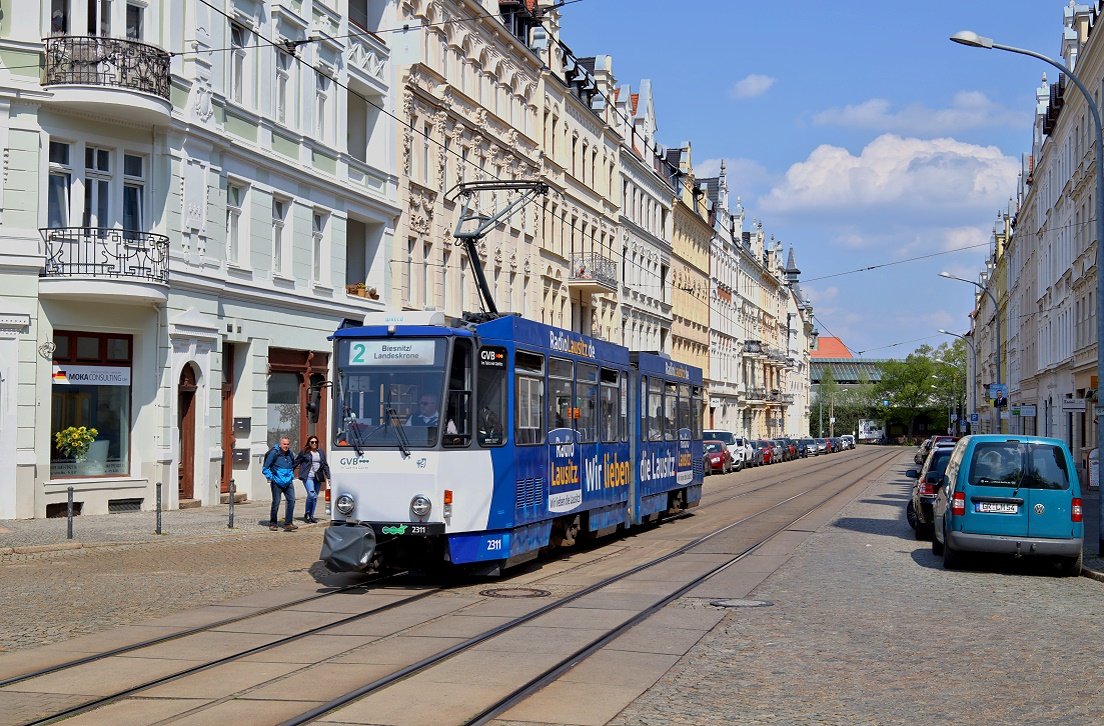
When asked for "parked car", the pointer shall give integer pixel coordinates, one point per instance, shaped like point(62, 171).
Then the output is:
point(806, 447)
point(1010, 494)
point(779, 451)
point(782, 448)
point(822, 446)
point(921, 452)
point(848, 441)
point(745, 445)
point(766, 449)
point(929, 478)
point(717, 457)
point(735, 450)
point(791, 447)
point(757, 452)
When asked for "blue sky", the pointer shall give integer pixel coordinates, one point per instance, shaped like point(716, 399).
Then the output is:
point(855, 130)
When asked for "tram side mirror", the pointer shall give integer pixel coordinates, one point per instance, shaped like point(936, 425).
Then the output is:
point(314, 403)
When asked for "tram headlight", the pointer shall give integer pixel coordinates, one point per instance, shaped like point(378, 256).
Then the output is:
point(345, 504)
point(420, 505)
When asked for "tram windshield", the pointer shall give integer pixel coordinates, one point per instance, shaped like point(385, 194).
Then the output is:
point(389, 393)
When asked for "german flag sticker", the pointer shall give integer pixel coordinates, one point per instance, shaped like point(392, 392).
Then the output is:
point(59, 376)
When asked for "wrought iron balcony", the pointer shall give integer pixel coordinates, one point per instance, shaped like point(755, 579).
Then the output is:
point(756, 394)
point(124, 76)
point(106, 253)
point(95, 61)
point(592, 273)
point(787, 398)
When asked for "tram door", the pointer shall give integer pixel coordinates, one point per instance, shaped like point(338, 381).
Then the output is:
point(565, 492)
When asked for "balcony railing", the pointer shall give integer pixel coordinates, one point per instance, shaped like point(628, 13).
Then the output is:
point(757, 394)
point(95, 61)
point(108, 253)
point(594, 272)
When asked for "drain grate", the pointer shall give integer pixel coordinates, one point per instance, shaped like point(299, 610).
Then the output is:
point(509, 592)
point(741, 604)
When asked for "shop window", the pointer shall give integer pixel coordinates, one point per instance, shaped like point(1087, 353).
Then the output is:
point(91, 389)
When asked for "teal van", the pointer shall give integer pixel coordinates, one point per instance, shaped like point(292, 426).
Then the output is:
point(1010, 494)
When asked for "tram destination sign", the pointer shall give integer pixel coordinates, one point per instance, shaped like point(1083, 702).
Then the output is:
point(391, 352)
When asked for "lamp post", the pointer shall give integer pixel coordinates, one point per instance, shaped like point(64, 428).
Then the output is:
point(973, 358)
point(997, 344)
point(966, 37)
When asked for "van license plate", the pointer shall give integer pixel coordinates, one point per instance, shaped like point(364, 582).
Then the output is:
point(998, 507)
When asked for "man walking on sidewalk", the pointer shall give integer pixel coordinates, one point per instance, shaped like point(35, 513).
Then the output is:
point(279, 470)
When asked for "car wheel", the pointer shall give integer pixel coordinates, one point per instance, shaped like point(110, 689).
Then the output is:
point(952, 558)
point(924, 530)
point(910, 514)
point(937, 546)
point(1071, 566)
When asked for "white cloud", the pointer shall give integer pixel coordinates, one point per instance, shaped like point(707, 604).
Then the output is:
point(968, 110)
point(893, 179)
point(751, 86)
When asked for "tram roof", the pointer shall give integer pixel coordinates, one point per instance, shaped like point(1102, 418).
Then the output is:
point(402, 331)
point(552, 340)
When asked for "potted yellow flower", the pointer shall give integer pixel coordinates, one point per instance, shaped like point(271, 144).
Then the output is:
point(75, 441)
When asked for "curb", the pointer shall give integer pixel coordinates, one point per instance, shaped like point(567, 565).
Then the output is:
point(1092, 574)
point(69, 546)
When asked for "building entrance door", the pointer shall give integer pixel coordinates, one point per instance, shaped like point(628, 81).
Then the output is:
point(186, 425)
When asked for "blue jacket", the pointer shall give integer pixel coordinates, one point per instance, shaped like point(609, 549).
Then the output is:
point(303, 466)
point(279, 467)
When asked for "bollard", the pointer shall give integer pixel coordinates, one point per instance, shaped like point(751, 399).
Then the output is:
point(158, 507)
point(69, 515)
point(230, 524)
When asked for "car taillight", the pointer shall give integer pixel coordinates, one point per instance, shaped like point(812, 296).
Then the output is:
point(958, 503)
point(1076, 511)
point(927, 488)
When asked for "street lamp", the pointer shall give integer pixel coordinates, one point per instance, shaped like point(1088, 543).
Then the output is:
point(973, 359)
point(985, 289)
point(966, 37)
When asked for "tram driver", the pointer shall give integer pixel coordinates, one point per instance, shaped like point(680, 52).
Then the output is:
point(427, 417)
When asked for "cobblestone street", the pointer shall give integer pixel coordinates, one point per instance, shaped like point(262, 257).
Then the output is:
point(866, 627)
point(52, 596)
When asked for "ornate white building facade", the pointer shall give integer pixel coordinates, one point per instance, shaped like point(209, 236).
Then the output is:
point(180, 232)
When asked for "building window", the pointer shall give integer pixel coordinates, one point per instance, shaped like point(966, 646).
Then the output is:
point(283, 83)
point(134, 21)
point(238, 40)
point(97, 188)
point(279, 221)
point(91, 389)
point(322, 100)
point(318, 247)
point(59, 17)
point(427, 279)
point(60, 184)
point(235, 202)
point(99, 18)
point(134, 192)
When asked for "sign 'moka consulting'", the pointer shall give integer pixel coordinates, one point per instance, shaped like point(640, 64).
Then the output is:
point(91, 376)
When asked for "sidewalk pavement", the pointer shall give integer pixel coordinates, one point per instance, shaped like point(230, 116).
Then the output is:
point(27, 536)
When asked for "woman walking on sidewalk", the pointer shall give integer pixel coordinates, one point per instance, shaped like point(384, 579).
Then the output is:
point(312, 469)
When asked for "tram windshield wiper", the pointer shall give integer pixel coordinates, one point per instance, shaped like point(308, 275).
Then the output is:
point(353, 430)
point(393, 420)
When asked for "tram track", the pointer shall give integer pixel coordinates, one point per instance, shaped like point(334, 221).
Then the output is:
point(534, 684)
point(440, 657)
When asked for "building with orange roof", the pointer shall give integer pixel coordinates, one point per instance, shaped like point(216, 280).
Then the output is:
point(825, 347)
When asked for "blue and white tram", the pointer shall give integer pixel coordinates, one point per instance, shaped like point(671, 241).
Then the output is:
point(481, 444)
